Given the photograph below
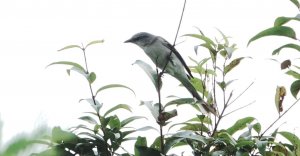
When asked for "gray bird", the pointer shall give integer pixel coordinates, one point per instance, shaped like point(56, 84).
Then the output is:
point(158, 49)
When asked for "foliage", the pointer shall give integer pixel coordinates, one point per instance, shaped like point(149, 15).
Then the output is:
point(104, 132)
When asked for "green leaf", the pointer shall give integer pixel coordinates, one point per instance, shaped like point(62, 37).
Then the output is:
point(69, 63)
point(150, 72)
point(225, 38)
point(146, 151)
point(190, 135)
point(202, 37)
point(60, 136)
point(257, 127)
point(94, 42)
point(153, 108)
point(292, 138)
point(293, 73)
point(232, 64)
point(180, 101)
point(95, 104)
point(119, 106)
point(275, 31)
point(198, 84)
point(114, 122)
point(240, 124)
point(227, 137)
point(130, 119)
point(146, 128)
point(16, 146)
point(171, 142)
point(296, 3)
point(140, 141)
point(92, 77)
point(113, 86)
point(295, 87)
point(88, 119)
point(195, 127)
point(261, 145)
point(156, 144)
point(290, 45)
point(283, 20)
point(69, 47)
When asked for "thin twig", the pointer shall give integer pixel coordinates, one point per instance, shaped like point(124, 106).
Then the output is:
point(159, 76)
point(241, 93)
point(239, 108)
point(171, 52)
point(87, 72)
point(279, 117)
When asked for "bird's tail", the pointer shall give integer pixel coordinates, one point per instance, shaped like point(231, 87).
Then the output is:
point(206, 108)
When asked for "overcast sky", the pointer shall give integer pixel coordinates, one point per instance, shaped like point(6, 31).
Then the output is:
point(32, 31)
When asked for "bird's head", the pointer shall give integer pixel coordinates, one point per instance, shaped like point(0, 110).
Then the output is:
point(141, 39)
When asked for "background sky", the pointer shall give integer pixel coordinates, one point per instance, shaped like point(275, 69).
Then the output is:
point(32, 31)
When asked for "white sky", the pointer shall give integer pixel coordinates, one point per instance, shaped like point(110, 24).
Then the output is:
point(32, 31)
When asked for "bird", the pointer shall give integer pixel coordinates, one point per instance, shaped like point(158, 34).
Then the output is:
point(167, 58)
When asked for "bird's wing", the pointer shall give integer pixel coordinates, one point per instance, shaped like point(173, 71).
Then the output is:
point(169, 46)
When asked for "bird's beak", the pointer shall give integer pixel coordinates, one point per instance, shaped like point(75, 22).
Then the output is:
point(128, 41)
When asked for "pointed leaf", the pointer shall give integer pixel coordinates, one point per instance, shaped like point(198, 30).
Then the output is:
point(153, 108)
point(257, 127)
point(292, 138)
point(69, 63)
point(283, 20)
point(225, 38)
point(227, 137)
point(293, 73)
point(171, 142)
point(261, 145)
point(119, 106)
point(190, 135)
point(296, 3)
point(275, 31)
point(113, 86)
point(88, 119)
point(94, 42)
point(290, 45)
point(146, 128)
point(69, 47)
point(180, 101)
point(150, 72)
point(202, 37)
point(240, 124)
point(232, 64)
point(295, 87)
point(94, 103)
point(130, 119)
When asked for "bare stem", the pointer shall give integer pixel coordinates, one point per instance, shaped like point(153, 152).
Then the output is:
point(87, 72)
point(159, 76)
point(241, 93)
point(279, 117)
point(238, 109)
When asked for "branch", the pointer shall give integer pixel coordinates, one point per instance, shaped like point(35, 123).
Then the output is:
point(241, 93)
point(239, 108)
point(159, 76)
point(279, 117)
